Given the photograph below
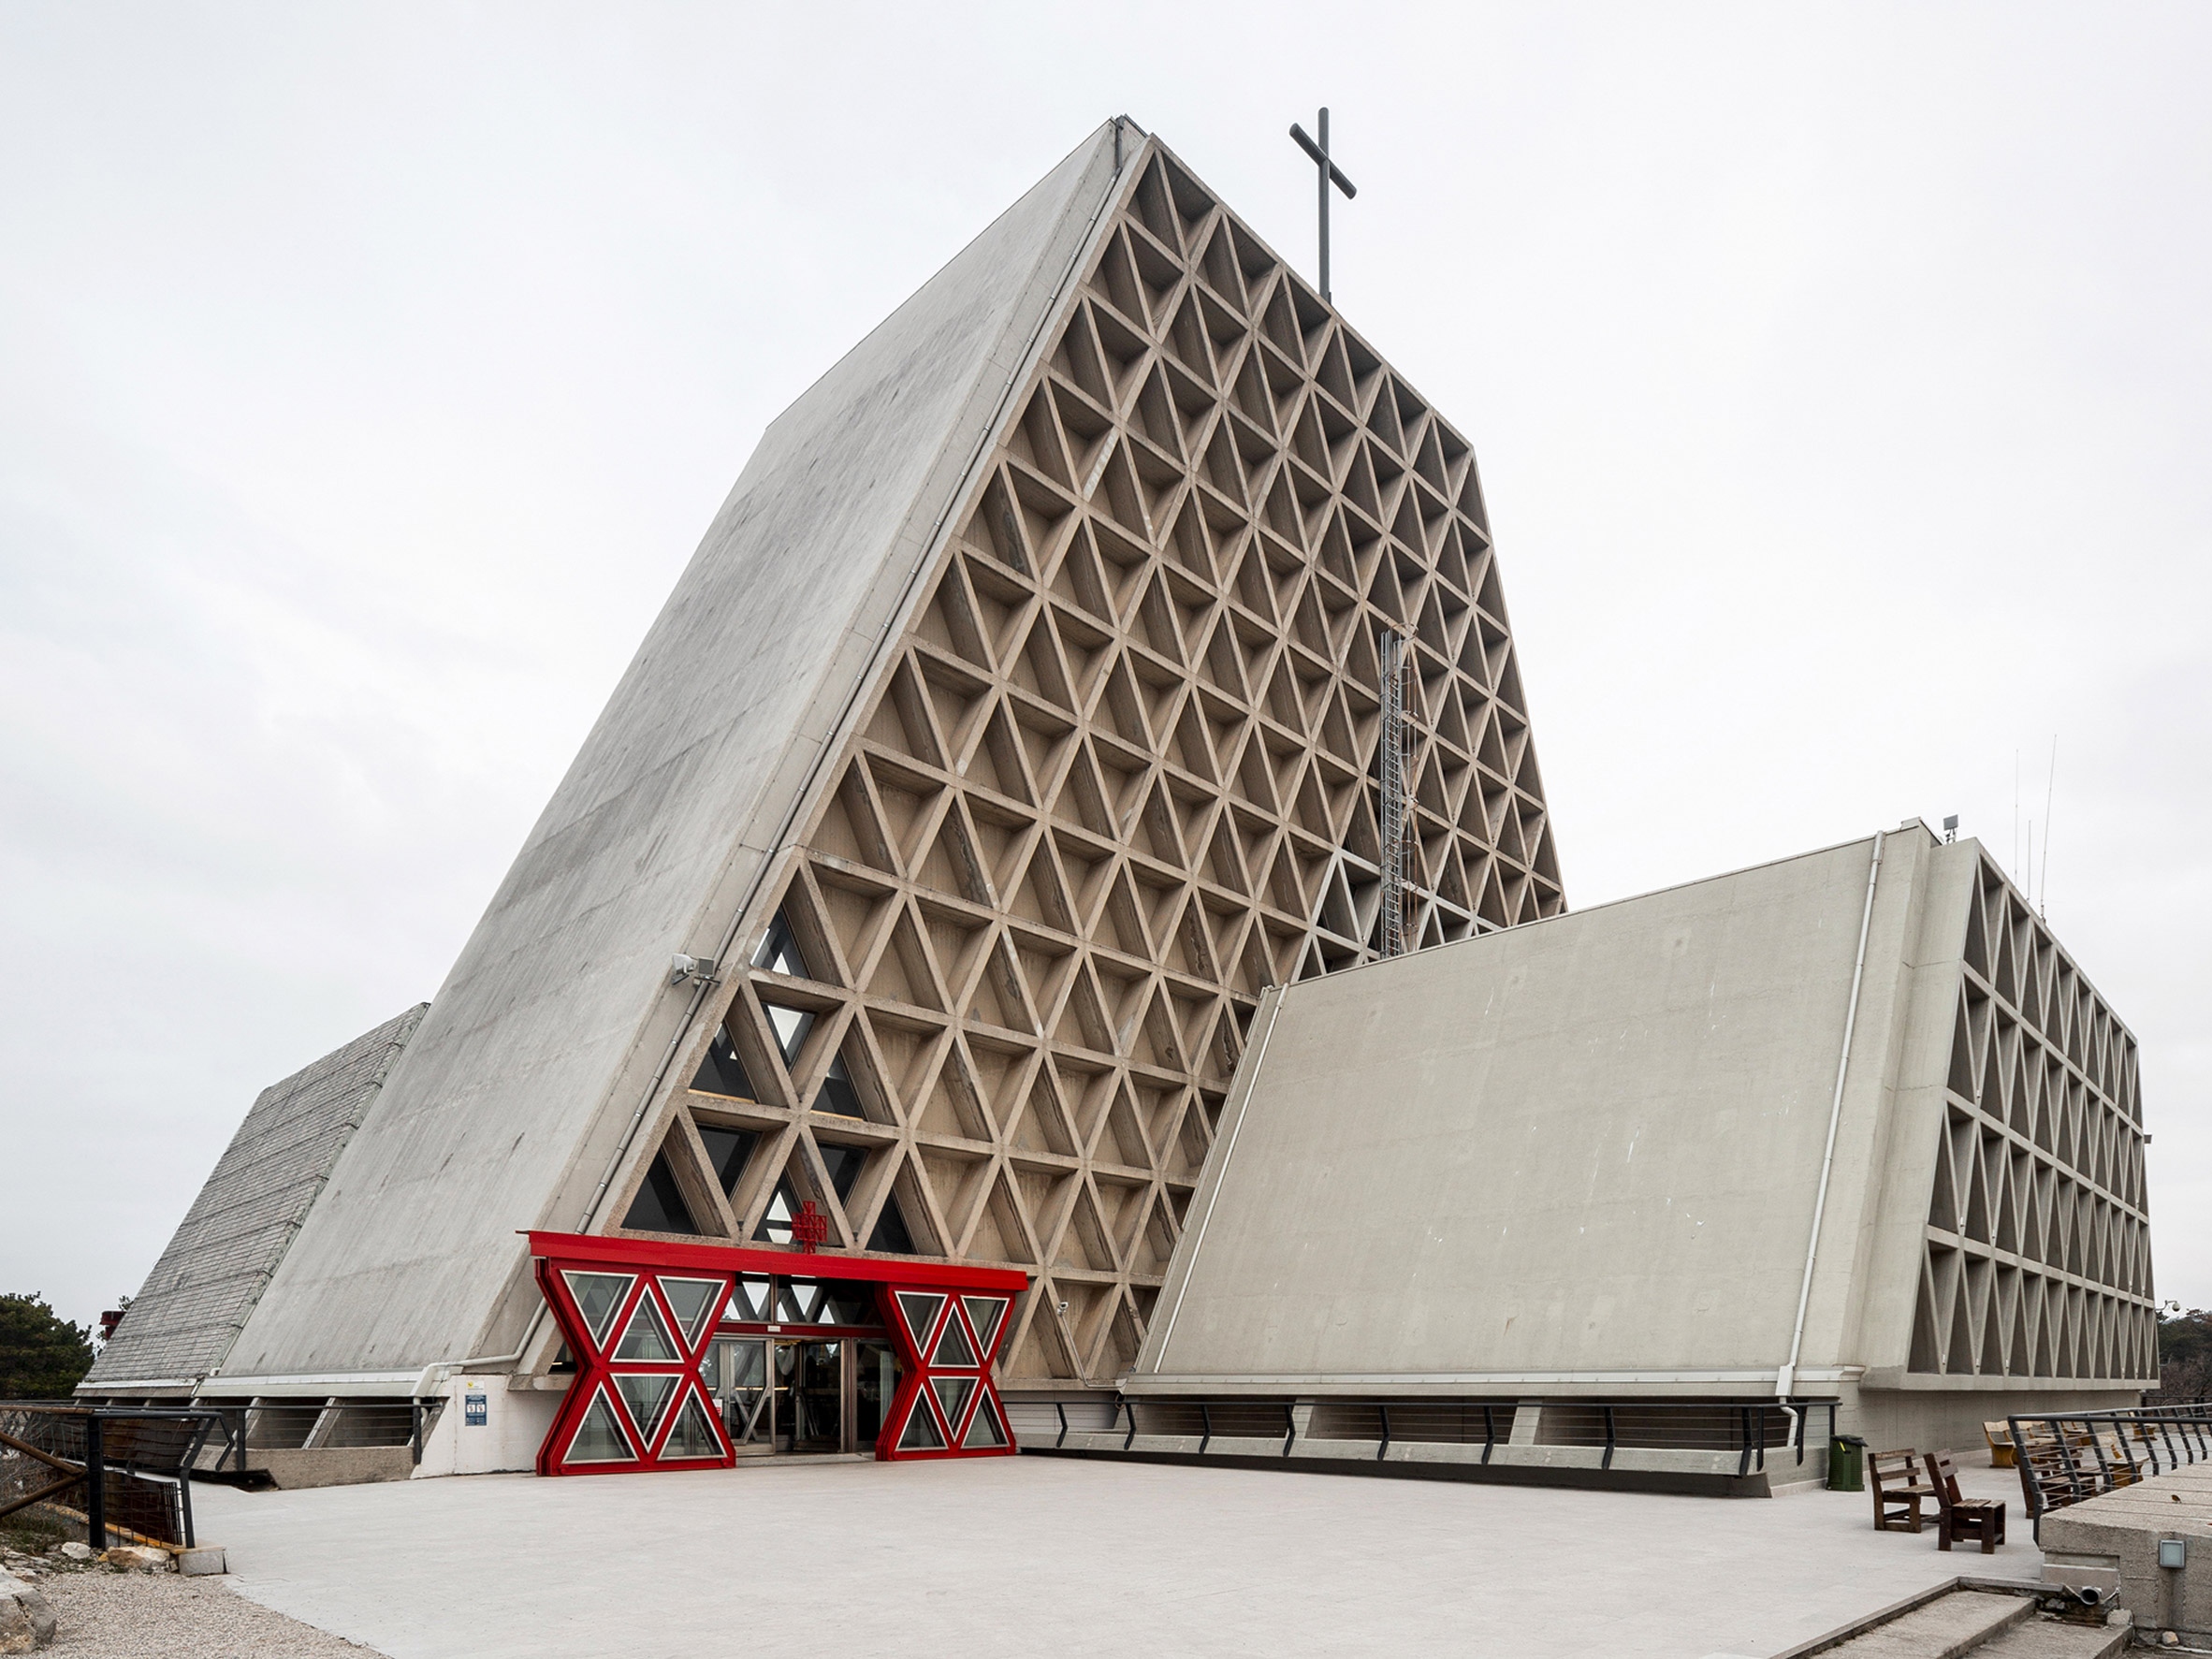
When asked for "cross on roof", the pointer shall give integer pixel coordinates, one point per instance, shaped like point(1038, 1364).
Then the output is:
point(1329, 173)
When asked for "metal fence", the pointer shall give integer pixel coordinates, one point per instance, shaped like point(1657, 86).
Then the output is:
point(2068, 1459)
point(313, 1425)
point(110, 1469)
point(1750, 1429)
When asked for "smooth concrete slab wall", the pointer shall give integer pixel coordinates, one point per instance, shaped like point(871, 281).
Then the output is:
point(1590, 1145)
point(542, 1047)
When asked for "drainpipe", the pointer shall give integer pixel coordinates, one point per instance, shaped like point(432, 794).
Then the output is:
point(1786, 1379)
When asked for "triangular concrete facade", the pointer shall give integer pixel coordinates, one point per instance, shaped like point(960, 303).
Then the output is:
point(1013, 729)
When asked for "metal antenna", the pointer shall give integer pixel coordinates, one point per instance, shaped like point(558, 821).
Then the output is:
point(1397, 814)
point(1330, 174)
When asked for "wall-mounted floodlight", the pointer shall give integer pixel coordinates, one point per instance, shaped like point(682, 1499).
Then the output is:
point(1951, 829)
point(2174, 1552)
point(682, 967)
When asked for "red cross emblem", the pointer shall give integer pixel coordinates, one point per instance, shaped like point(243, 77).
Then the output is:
point(809, 1228)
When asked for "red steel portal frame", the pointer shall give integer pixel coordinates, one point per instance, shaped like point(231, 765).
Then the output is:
point(946, 1323)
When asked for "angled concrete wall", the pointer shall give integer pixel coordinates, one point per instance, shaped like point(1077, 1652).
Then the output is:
point(1586, 1146)
point(1584, 1156)
point(193, 1303)
point(546, 1039)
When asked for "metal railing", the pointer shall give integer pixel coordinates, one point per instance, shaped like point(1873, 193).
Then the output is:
point(285, 1425)
point(128, 1469)
point(2069, 1458)
point(1750, 1429)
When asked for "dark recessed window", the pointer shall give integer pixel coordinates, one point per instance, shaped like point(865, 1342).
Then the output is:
point(779, 951)
point(843, 1165)
point(660, 1206)
point(891, 1232)
point(727, 1150)
point(837, 1094)
point(723, 1072)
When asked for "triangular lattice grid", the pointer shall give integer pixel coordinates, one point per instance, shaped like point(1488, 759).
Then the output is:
point(1117, 777)
point(2037, 1262)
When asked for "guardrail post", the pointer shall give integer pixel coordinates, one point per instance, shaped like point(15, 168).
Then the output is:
point(1206, 1421)
point(95, 1484)
point(1290, 1426)
point(1130, 1405)
point(1061, 1406)
point(1607, 1462)
point(1743, 1424)
point(1383, 1446)
point(1489, 1429)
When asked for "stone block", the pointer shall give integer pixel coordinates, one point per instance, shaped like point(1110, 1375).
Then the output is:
point(201, 1561)
point(139, 1558)
point(26, 1617)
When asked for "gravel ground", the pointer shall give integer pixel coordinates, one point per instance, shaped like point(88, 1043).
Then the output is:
point(110, 1615)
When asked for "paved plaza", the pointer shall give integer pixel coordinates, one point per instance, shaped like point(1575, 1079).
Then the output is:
point(1037, 1555)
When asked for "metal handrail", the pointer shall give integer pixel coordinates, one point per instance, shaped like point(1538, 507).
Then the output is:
point(2145, 1441)
point(1742, 1428)
point(94, 1468)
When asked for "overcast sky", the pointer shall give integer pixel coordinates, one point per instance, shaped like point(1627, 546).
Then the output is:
point(1839, 376)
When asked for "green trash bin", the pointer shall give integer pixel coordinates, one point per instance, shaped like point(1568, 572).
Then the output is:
point(1847, 1464)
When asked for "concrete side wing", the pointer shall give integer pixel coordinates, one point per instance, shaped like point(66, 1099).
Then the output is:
point(201, 1291)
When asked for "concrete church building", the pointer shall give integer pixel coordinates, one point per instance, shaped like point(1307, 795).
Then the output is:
point(1110, 640)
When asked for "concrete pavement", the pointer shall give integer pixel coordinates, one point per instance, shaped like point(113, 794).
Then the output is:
point(1040, 1555)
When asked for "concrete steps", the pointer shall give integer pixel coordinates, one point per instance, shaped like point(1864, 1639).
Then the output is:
point(1985, 1624)
point(2046, 1638)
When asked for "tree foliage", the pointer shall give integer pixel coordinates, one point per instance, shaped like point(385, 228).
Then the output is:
point(2185, 1354)
point(42, 1355)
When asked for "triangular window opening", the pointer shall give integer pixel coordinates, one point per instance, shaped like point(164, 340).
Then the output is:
point(646, 1396)
point(751, 1299)
point(952, 1393)
point(694, 1435)
point(984, 1430)
point(647, 1338)
point(921, 1431)
point(843, 1165)
point(952, 1347)
point(837, 1095)
point(891, 1235)
point(691, 1300)
point(722, 1073)
point(600, 1439)
point(660, 1206)
point(598, 1295)
point(920, 1310)
point(983, 1312)
point(782, 1207)
point(779, 951)
point(791, 1025)
point(728, 1150)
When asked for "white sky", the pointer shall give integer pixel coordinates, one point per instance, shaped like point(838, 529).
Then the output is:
point(1838, 374)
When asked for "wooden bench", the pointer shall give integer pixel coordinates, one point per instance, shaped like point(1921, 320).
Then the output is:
point(1979, 1519)
point(1895, 1477)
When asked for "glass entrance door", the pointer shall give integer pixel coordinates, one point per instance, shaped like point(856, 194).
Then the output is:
point(809, 1389)
point(736, 1370)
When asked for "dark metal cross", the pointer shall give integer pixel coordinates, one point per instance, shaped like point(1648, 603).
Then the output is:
point(1330, 174)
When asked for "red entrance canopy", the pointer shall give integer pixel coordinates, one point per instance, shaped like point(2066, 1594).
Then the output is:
point(638, 1314)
